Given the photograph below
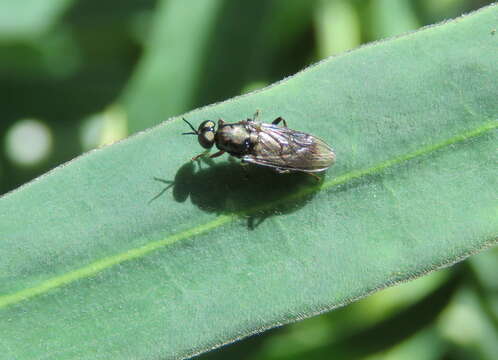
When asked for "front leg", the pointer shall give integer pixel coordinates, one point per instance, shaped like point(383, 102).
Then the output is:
point(216, 154)
point(219, 153)
point(278, 120)
point(197, 157)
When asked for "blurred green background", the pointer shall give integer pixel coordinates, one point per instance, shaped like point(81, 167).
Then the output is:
point(75, 75)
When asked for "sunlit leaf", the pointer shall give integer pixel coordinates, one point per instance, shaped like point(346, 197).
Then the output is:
point(131, 251)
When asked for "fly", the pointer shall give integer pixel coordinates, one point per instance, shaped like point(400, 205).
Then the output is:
point(270, 145)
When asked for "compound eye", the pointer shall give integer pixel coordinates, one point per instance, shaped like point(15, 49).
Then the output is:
point(206, 134)
point(206, 139)
point(207, 125)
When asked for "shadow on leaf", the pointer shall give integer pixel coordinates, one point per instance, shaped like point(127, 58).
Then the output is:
point(230, 188)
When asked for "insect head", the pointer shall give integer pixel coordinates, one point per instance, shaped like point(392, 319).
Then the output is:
point(205, 133)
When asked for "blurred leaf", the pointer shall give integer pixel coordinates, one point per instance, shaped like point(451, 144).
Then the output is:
point(426, 345)
point(167, 79)
point(366, 317)
point(442, 9)
point(127, 253)
point(268, 42)
point(387, 333)
point(467, 326)
point(392, 17)
point(27, 19)
point(283, 23)
point(486, 267)
point(338, 27)
point(185, 61)
point(485, 284)
point(109, 127)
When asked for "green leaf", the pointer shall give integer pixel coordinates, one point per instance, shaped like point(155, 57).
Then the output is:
point(100, 259)
point(393, 17)
point(172, 62)
point(194, 55)
point(27, 19)
point(337, 27)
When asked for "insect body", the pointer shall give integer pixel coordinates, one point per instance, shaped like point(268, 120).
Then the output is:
point(264, 144)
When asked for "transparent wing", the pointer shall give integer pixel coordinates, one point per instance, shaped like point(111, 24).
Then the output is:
point(288, 149)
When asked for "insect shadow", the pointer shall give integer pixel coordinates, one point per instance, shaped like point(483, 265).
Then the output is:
point(256, 192)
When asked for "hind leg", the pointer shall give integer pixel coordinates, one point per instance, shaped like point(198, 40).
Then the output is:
point(278, 120)
point(317, 178)
point(256, 115)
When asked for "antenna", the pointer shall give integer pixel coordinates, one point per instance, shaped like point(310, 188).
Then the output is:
point(194, 132)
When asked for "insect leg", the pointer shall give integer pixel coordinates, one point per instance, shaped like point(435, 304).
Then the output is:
point(255, 117)
point(198, 156)
point(219, 153)
point(278, 120)
point(317, 178)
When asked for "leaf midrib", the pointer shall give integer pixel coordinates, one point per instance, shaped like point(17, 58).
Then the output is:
point(109, 261)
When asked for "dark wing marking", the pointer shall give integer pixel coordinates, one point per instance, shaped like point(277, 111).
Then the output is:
point(288, 149)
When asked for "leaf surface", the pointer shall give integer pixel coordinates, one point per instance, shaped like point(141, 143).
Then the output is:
point(104, 258)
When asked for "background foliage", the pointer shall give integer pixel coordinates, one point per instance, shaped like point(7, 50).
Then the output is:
point(69, 74)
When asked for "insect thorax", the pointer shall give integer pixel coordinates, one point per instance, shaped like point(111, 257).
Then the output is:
point(236, 139)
